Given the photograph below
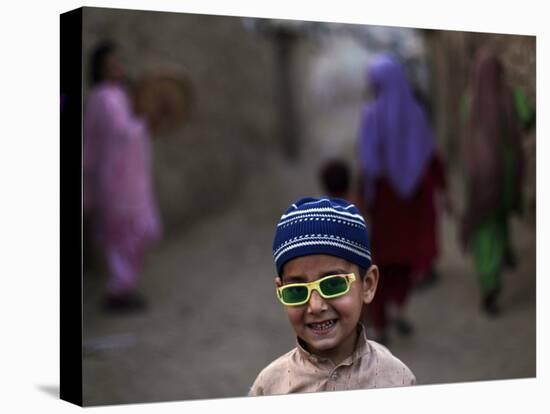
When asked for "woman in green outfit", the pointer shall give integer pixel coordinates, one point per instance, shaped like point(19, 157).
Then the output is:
point(493, 161)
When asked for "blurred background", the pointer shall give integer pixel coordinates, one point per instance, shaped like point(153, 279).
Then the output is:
point(265, 103)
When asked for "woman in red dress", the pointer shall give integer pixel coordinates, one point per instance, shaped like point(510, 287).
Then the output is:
point(400, 174)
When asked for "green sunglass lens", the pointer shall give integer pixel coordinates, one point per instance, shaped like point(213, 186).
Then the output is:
point(294, 294)
point(333, 286)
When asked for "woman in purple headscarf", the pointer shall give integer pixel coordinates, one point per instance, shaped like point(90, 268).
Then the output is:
point(118, 191)
point(400, 172)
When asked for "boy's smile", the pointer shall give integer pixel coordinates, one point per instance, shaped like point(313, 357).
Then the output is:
point(328, 327)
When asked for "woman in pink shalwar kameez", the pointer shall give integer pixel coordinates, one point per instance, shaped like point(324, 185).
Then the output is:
point(118, 190)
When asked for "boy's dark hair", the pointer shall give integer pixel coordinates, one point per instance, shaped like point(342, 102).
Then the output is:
point(98, 57)
point(335, 177)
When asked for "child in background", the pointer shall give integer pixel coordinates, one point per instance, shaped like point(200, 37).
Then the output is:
point(324, 277)
point(335, 179)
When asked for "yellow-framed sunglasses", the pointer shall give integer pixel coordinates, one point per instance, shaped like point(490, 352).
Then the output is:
point(328, 287)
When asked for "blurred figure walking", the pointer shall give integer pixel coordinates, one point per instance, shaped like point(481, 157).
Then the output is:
point(118, 190)
point(335, 178)
point(493, 165)
point(401, 174)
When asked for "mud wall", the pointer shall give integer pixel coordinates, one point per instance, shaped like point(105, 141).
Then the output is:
point(200, 167)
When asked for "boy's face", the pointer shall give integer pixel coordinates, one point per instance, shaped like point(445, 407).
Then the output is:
point(328, 326)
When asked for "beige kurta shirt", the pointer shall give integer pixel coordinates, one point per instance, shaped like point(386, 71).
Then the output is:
point(371, 365)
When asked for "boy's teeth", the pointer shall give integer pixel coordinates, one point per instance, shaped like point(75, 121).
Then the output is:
point(323, 325)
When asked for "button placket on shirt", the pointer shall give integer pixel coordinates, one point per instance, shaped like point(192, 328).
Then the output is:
point(336, 372)
point(333, 381)
point(325, 366)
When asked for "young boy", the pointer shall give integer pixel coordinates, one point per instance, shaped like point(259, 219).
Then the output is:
point(325, 275)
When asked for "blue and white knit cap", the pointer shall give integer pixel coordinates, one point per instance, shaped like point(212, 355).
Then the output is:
point(323, 225)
